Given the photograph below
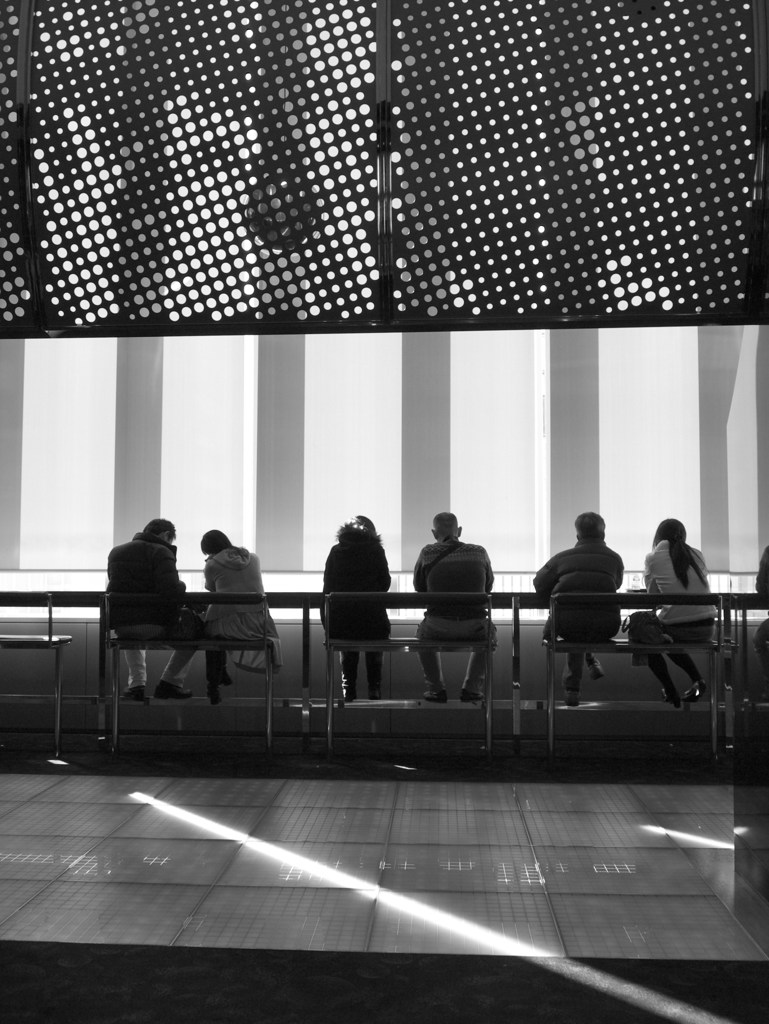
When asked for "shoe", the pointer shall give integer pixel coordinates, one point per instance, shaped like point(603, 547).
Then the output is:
point(471, 696)
point(165, 690)
point(435, 696)
point(350, 692)
point(595, 669)
point(572, 698)
point(671, 697)
point(695, 691)
point(225, 679)
point(134, 693)
point(213, 693)
point(374, 693)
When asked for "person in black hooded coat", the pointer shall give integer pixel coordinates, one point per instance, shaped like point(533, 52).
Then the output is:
point(357, 562)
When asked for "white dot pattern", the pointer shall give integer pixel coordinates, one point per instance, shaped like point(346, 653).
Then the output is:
point(207, 162)
point(305, 163)
point(15, 307)
point(571, 158)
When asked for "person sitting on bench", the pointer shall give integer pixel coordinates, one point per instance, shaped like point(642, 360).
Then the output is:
point(147, 565)
point(590, 567)
point(673, 567)
point(450, 566)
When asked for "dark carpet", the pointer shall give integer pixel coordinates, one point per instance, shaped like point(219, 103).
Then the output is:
point(50, 983)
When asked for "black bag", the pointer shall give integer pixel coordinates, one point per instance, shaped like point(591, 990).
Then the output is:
point(187, 625)
point(645, 628)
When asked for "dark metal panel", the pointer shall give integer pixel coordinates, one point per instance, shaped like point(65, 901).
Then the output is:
point(18, 311)
point(576, 159)
point(203, 164)
point(199, 167)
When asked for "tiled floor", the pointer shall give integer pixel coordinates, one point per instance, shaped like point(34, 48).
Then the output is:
point(537, 869)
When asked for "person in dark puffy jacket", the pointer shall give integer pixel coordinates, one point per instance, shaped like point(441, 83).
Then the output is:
point(358, 562)
point(590, 567)
point(147, 565)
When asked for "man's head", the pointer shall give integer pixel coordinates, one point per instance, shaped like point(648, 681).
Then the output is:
point(162, 528)
point(445, 527)
point(590, 526)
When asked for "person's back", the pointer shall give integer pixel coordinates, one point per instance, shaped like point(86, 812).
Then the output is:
point(590, 567)
point(357, 562)
point(453, 567)
point(450, 566)
point(144, 565)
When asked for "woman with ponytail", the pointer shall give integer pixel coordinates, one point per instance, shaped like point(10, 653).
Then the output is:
point(673, 567)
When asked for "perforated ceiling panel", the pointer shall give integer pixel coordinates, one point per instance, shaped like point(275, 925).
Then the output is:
point(206, 163)
point(572, 158)
point(16, 310)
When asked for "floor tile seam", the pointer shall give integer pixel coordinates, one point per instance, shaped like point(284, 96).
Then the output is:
point(544, 889)
point(211, 886)
point(385, 845)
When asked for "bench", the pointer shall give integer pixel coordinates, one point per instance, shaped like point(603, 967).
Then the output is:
point(197, 601)
point(31, 642)
point(633, 602)
point(406, 645)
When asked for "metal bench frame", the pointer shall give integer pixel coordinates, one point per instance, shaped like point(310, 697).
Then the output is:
point(557, 645)
point(199, 601)
point(408, 645)
point(29, 642)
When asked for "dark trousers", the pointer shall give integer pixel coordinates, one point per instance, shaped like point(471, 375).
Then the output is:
point(350, 659)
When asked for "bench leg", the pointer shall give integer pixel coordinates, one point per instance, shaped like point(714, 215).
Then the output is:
point(268, 692)
point(713, 682)
point(329, 703)
point(550, 707)
point(114, 678)
point(489, 704)
point(58, 681)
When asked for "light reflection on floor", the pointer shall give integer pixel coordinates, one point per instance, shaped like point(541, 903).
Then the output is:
point(535, 869)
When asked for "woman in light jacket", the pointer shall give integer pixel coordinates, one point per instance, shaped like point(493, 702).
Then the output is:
point(234, 570)
point(673, 567)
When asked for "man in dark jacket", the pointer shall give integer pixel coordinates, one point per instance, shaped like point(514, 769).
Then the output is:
point(451, 566)
point(147, 565)
point(590, 567)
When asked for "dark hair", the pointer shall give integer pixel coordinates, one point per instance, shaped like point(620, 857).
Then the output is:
point(681, 555)
point(589, 525)
point(214, 541)
point(360, 525)
point(158, 526)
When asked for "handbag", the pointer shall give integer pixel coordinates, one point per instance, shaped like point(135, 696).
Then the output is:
point(645, 628)
point(187, 625)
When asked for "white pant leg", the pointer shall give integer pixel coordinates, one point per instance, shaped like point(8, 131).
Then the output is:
point(137, 667)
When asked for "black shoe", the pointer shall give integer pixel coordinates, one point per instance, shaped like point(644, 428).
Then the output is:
point(225, 679)
point(571, 698)
point(595, 669)
point(134, 693)
point(435, 696)
point(693, 694)
point(213, 693)
point(165, 690)
point(671, 697)
point(350, 693)
point(471, 696)
point(374, 693)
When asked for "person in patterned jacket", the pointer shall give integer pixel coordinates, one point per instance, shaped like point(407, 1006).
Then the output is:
point(449, 565)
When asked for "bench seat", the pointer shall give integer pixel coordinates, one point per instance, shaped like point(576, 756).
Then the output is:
point(39, 642)
point(712, 649)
